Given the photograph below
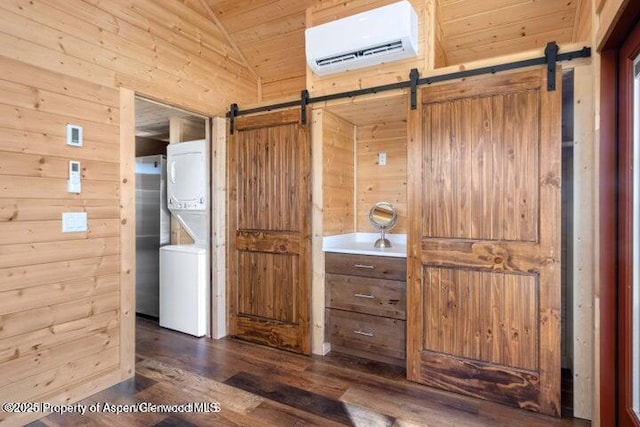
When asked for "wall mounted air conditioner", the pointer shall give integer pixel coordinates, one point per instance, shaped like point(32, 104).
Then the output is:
point(385, 34)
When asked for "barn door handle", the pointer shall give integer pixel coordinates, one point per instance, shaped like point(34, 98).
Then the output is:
point(360, 332)
point(358, 295)
point(370, 267)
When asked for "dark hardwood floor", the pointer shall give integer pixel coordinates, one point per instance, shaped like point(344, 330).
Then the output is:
point(259, 386)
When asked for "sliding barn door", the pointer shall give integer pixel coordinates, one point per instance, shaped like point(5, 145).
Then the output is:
point(270, 201)
point(484, 258)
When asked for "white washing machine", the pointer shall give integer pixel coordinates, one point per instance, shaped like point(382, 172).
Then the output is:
point(184, 290)
point(184, 269)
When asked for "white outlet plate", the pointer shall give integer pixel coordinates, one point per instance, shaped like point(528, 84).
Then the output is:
point(74, 222)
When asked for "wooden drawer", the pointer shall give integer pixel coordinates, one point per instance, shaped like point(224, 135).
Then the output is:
point(366, 265)
point(366, 335)
point(379, 297)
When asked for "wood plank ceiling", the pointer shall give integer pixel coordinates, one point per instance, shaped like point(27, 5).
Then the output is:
point(269, 34)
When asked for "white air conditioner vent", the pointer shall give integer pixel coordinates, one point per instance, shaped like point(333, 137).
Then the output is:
point(380, 35)
point(387, 48)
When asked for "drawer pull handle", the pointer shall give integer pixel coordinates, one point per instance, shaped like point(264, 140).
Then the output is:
point(368, 266)
point(366, 334)
point(364, 296)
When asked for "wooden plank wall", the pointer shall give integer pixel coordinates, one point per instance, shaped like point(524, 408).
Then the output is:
point(59, 293)
point(163, 50)
point(333, 158)
point(584, 242)
point(583, 26)
point(384, 73)
point(375, 183)
point(318, 345)
point(607, 13)
point(338, 175)
point(66, 304)
point(219, 227)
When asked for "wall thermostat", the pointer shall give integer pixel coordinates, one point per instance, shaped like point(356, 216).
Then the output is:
point(74, 135)
point(73, 183)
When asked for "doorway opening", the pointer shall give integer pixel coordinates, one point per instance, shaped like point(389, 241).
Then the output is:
point(157, 126)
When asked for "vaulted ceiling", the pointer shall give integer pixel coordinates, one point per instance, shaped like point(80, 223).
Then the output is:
point(269, 34)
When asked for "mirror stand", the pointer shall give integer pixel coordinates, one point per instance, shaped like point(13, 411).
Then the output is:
point(383, 217)
point(382, 242)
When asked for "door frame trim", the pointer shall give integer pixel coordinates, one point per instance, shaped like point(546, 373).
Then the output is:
point(610, 242)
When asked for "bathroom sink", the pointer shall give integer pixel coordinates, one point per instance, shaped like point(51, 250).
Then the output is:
point(362, 244)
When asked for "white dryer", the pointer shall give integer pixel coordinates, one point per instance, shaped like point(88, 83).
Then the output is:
point(183, 291)
point(184, 269)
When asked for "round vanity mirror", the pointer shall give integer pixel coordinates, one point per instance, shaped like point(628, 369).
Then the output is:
point(383, 217)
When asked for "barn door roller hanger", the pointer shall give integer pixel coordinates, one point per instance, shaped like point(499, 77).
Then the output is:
point(551, 58)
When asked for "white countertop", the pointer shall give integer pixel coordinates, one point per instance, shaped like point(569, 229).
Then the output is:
point(362, 244)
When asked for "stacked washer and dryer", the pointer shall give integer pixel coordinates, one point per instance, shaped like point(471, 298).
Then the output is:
point(184, 269)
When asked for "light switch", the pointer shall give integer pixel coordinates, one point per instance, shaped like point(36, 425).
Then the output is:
point(74, 222)
point(382, 158)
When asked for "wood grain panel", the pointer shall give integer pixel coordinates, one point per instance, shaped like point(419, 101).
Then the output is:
point(476, 30)
point(54, 167)
point(51, 231)
point(19, 47)
point(25, 96)
point(41, 253)
point(458, 323)
point(62, 62)
point(375, 335)
point(498, 256)
point(389, 268)
point(49, 316)
point(496, 15)
point(283, 117)
point(496, 199)
point(512, 29)
point(375, 109)
point(198, 42)
point(504, 385)
point(522, 44)
point(378, 297)
point(24, 276)
point(267, 286)
point(269, 231)
point(30, 342)
point(377, 183)
point(484, 268)
point(271, 37)
point(51, 209)
point(51, 124)
point(44, 143)
point(277, 90)
point(338, 169)
point(57, 356)
point(60, 292)
point(23, 299)
point(56, 188)
point(124, 41)
point(127, 232)
point(48, 381)
point(268, 168)
point(274, 242)
point(333, 10)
